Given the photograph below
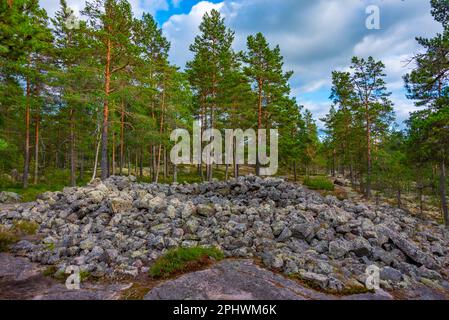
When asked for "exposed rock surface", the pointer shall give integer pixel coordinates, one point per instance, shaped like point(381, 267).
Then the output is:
point(119, 227)
point(21, 279)
point(241, 280)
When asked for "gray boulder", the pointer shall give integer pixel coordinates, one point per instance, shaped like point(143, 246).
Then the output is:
point(9, 197)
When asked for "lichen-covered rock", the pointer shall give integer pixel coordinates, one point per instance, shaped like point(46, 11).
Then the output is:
point(9, 197)
point(339, 248)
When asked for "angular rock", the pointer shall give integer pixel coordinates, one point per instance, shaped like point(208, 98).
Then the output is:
point(361, 247)
point(303, 231)
point(391, 274)
point(410, 249)
point(339, 248)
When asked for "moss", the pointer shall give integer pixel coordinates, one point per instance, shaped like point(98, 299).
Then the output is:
point(347, 290)
point(26, 227)
point(53, 272)
point(85, 275)
point(50, 246)
point(7, 237)
point(319, 183)
point(183, 260)
point(136, 292)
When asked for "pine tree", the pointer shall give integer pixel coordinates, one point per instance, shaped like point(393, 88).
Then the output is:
point(28, 63)
point(213, 57)
point(264, 68)
point(73, 75)
point(373, 107)
point(110, 24)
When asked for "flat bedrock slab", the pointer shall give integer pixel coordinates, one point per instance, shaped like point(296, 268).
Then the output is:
point(21, 279)
point(241, 280)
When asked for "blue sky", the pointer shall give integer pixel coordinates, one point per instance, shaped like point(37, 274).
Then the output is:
point(315, 36)
point(174, 8)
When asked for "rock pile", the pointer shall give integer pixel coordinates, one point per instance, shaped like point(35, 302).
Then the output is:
point(9, 197)
point(119, 227)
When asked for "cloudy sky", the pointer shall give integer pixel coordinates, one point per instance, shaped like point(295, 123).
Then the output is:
point(315, 36)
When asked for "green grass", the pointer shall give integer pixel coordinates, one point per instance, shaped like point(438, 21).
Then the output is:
point(7, 237)
point(59, 275)
point(319, 183)
point(53, 180)
point(26, 227)
point(181, 260)
point(53, 272)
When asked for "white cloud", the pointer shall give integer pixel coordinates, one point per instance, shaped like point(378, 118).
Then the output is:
point(315, 36)
point(318, 36)
point(51, 6)
point(150, 6)
point(181, 30)
point(138, 6)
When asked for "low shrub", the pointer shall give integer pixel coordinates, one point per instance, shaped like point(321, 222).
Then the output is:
point(319, 183)
point(26, 227)
point(7, 237)
point(181, 260)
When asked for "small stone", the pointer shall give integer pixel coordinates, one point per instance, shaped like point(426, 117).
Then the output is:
point(120, 204)
point(338, 248)
point(171, 212)
point(303, 231)
point(285, 235)
point(278, 227)
point(205, 210)
point(87, 244)
point(361, 247)
point(391, 274)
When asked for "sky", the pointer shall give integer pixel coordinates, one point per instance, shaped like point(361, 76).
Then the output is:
point(315, 37)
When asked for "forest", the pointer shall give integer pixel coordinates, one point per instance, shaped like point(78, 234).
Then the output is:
point(101, 97)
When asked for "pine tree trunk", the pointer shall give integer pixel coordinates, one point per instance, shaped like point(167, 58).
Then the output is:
point(443, 193)
point(97, 155)
point(122, 136)
point(137, 165)
point(72, 149)
point(81, 157)
point(368, 155)
point(26, 166)
point(165, 165)
point(153, 162)
point(36, 151)
point(129, 163)
point(161, 130)
point(113, 154)
point(141, 163)
point(351, 172)
point(295, 174)
point(259, 125)
point(104, 134)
